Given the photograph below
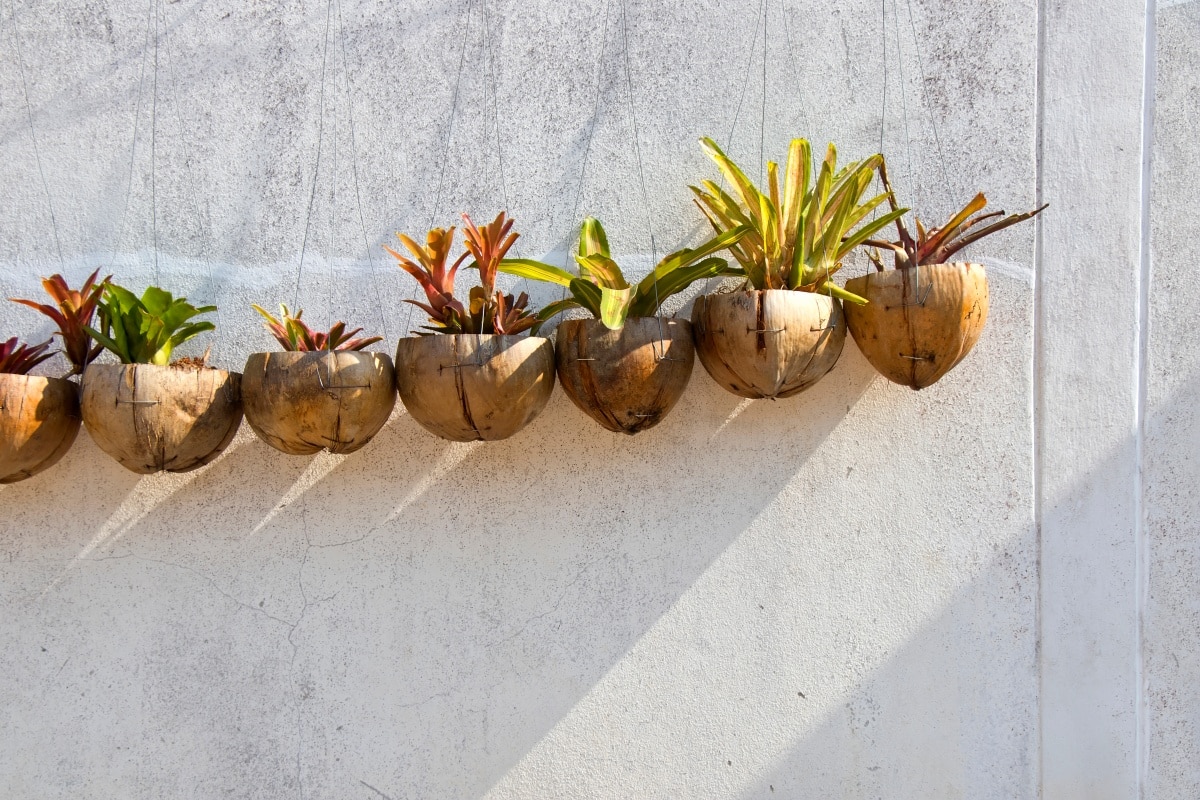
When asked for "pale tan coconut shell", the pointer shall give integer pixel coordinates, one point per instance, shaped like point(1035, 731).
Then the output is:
point(466, 387)
point(39, 419)
point(152, 418)
point(768, 343)
point(919, 322)
point(626, 380)
point(302, 403)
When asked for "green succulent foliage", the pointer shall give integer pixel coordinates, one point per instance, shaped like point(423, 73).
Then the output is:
point(601, 287)
point(798, 236)
point(145, 330)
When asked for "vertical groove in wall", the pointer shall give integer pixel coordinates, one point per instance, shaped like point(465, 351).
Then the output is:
point(1141, 542)
point(1038, 384)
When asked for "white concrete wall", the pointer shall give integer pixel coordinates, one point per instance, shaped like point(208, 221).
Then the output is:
point(985, 589)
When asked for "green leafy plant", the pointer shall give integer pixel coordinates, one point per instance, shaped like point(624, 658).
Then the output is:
point(800, 232)
point(145, 330)
point(602, 289)
point(17, 358)
point(936, 245)
point(293, 334)
point(72, 312)
point(489, 310)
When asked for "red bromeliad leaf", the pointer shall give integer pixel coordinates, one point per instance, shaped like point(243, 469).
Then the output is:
point(72, 313)
point(489, 246)
point(18, 359)
point(293, 334)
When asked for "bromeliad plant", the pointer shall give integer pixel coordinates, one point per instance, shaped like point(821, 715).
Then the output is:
point(925, 316)
point(800, 231)
point(72, 311)
point(488, 310)
point(937, 245)
point(18, 359)
point(146, 330)
point(294, 335)
point(602, 289)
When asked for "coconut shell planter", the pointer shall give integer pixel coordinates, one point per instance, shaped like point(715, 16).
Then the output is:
point(628, 379)
point(152, 418)
point(919, 323)
point(39, 419)
point(771, 343)
point(304, 402)
point(469, 387)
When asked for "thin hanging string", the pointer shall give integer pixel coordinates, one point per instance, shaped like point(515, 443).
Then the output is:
point(317, 164)
point(204, 252)
point(762, 124)
point(137, 116)
point(333, 198)
point(749, 65)
point(487, 40)
point(742, 96)
point(637, 150)
point(587, 147)
point(914, 179)
point(883, 68)
point(354, 171)
point(937, 139)
point(154, 147)
point(437, 197)
point(797, 82)
point(37, 151)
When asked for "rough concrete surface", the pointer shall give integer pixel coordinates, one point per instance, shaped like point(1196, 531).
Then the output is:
point(835, 595)
point(1172, 458)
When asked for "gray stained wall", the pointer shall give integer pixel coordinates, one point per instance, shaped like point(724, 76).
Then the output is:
point(985, 589)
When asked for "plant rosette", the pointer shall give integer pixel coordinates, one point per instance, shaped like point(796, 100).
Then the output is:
point(321, 393)
point(39, 420)
point(147, 413)
point(626, 368)
point(39, 416)
point(923, 317)
point(786, 330)
point(468, 375)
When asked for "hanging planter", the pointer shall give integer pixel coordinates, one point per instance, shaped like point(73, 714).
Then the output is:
point(919, 322)
point(321, 393)
point(768, 343)
point(148, 414)
point(468, 387)
point(786, 331)
point(626, 368)
point(39, 417)
point(628, 379)
point(924, 316)
point(468, 375)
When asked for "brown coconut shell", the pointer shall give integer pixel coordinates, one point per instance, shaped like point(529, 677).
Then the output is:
point(919, 322)
point(39, 419)
point(302, 403)
point(627, 380)
point(152, 418)
point(768, 343)
point(467, 387)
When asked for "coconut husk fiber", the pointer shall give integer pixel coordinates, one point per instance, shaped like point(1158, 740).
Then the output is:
point(919, 323)
point(151, 418)
point(768, 343)
point(39, 419)
point(468, 387)
point(304, 402)
point(628, 379)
